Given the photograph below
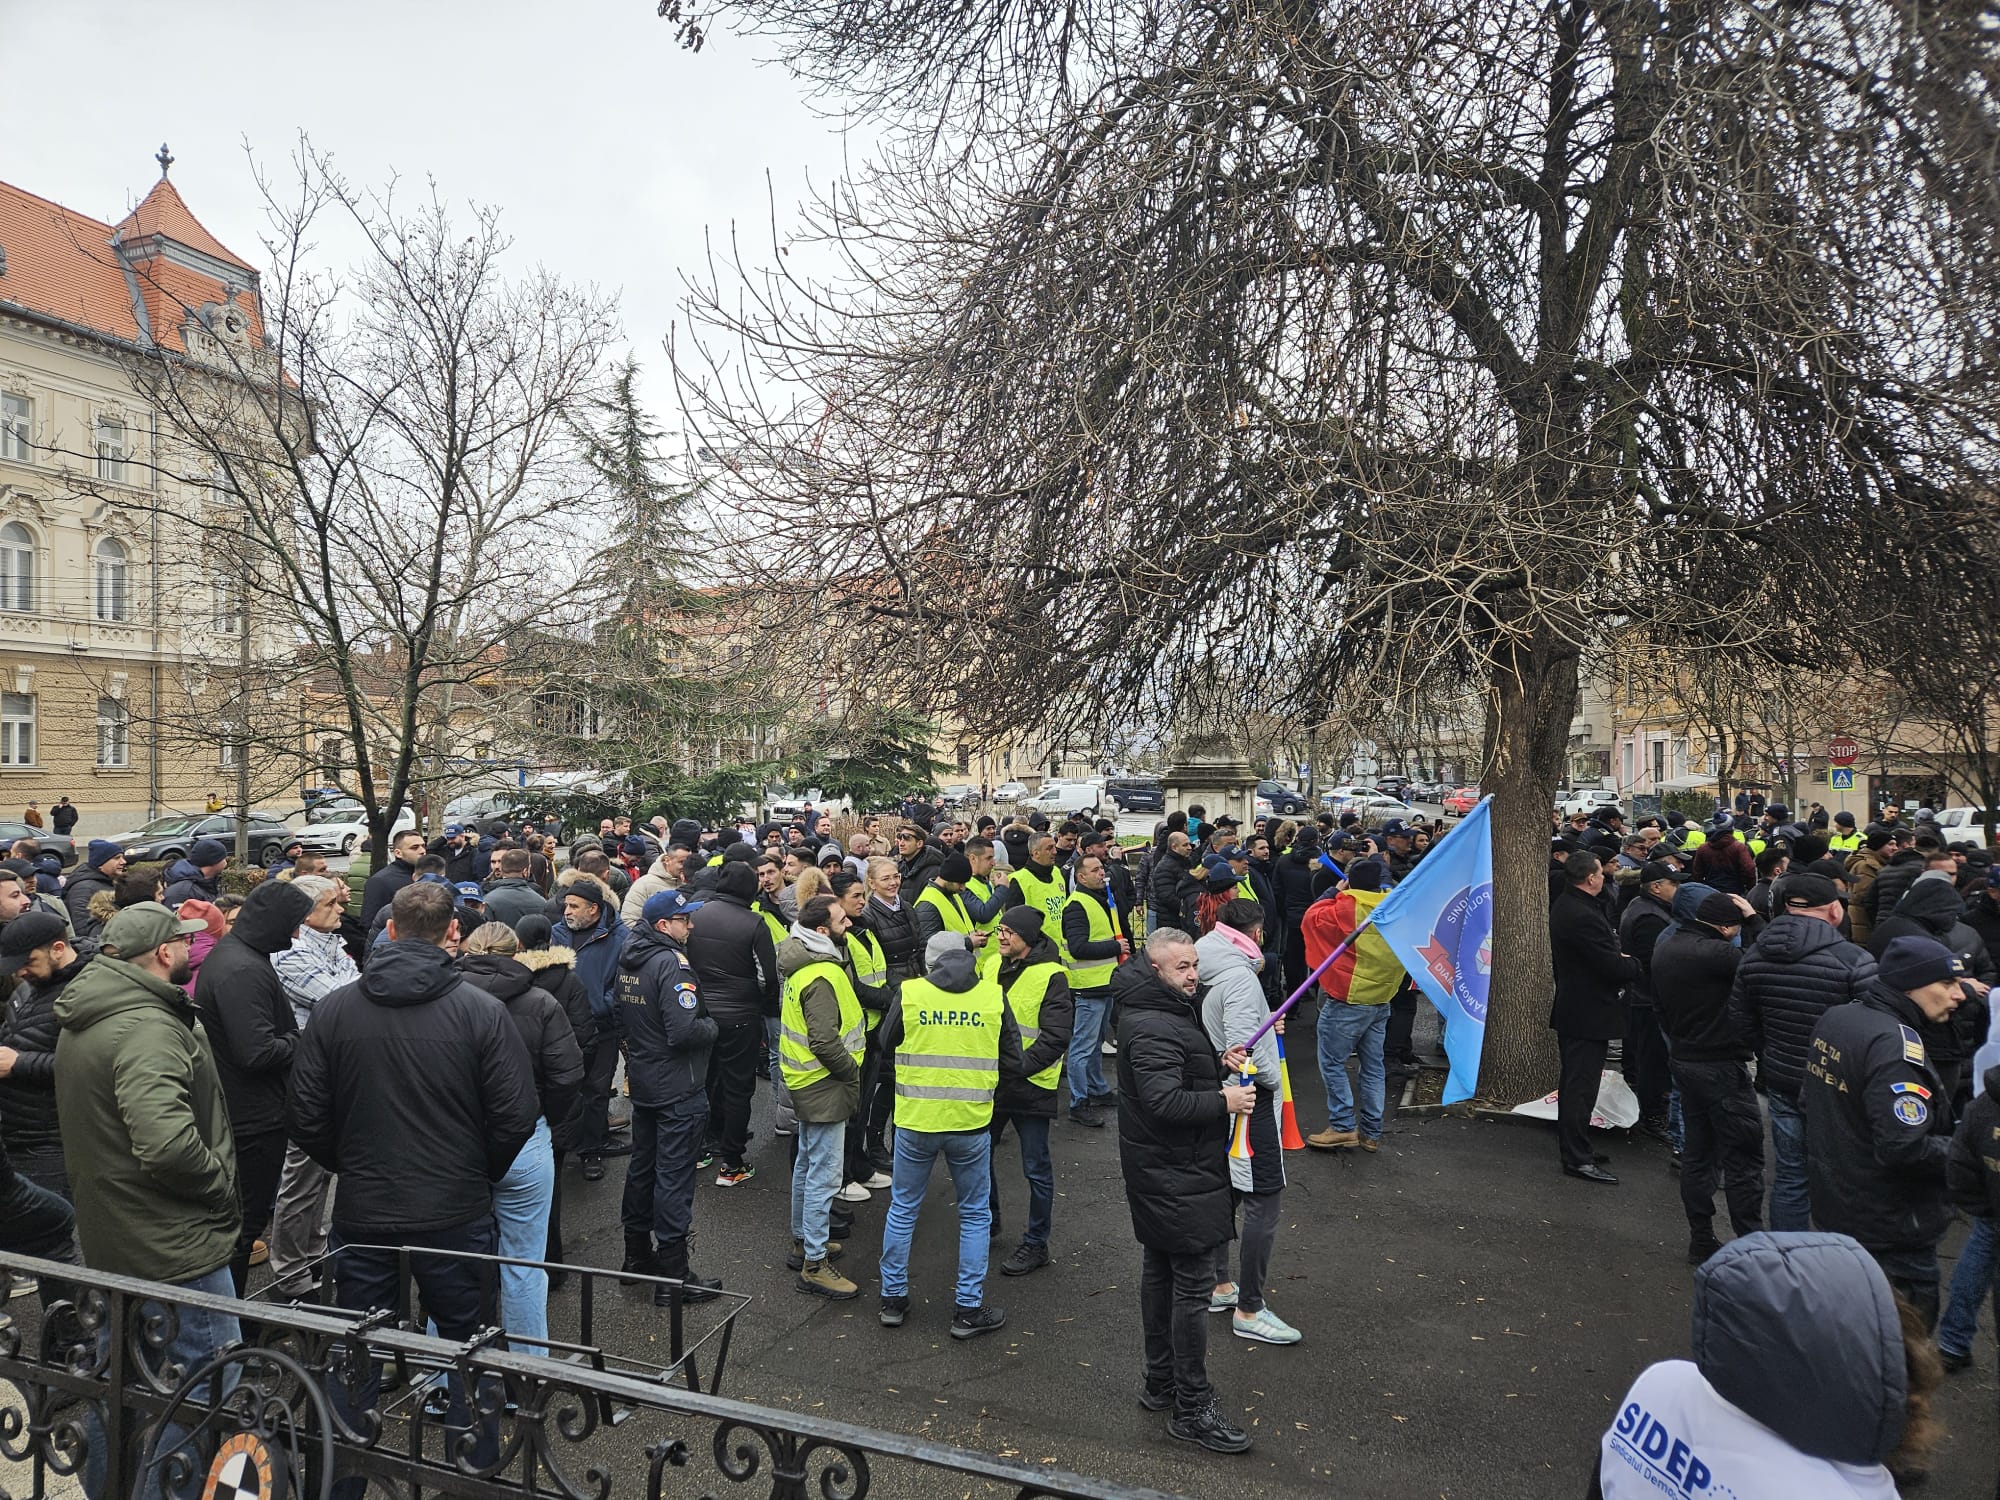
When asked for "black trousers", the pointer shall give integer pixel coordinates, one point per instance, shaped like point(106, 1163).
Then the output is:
point(1396, 1046)
point(1173, 1307)
point(599, 1068)
point(260, 1163)
point(35, 1221)
point(1645, 1065)
point(732, 1079)
point(854, 1147)
point(1576, 1095)
point(659, 1179)
point(461, 1296)
point(1723, 1135)
point(45, 1168)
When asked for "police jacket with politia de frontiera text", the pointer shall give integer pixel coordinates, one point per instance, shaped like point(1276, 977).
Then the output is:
point(668, 1031)
point(1878, 1124)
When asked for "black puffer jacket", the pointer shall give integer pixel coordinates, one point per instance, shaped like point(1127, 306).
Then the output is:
point(245, 1010)
point(1888, 887)
point(1294, 874)
point(1173, 1131)
point(86, 882)
point(413, 1085)
point(1164, 888)
point(668, 1031)
point(1796, 970)
point(1639, 929)
point(1971, 1171)
point(545, 1030)
point(28, 1093)
point(895, 928)
point(553, 972)
point(732, 951)
point(1693, 971)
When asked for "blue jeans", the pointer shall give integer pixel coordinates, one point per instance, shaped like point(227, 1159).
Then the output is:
point(198, 1333)
point(969, 1156)
point(1344, 1029)
point(521, 1202)
point(1086, 1062)
point(815, 1179)
point(1971, 1280)
point(1036, 1167)
point(1791, 1206)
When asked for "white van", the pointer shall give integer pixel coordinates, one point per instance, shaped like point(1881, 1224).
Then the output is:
point(1061, 798)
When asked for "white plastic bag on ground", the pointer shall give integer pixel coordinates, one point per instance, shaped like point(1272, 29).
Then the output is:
point(1617, 1106)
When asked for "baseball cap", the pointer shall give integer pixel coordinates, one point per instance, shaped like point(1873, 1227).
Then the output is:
point(26, 933)
point(139, 929)
point(1806, 890)
point(1653, 870)
point(663, 905)
point(470, 891)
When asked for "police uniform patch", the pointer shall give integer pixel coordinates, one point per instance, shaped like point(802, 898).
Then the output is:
point(1911, 1110)
point(1910, 1088)
point(1913, 1046)
point(686, 995)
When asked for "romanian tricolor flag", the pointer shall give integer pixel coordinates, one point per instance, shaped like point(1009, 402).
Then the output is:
point(1239, 1136)
point(1288, 1120)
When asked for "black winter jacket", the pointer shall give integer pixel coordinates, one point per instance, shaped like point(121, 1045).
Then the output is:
point(382, 887)
point(920, 869)
point(1164, 888)
point(28, 1094)
point(1590, 971)
point(86, 882)
point(1173, 1129)
point(1639, 929)
point(1934, 909)
point(553, 972)
point(1887, 888)
point(244, 1008)
point(414, 1086)
point(1693, 971)
point(1017, 1096)
point(1972, 1171)
point(668, 1031)
point(896, 930)
point(545, 1031)
point(1294, 876)
point(1878, 1125)
point(732, 953)
point(1797, 969)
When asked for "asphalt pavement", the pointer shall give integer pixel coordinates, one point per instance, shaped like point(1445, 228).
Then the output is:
point(1471, 1318)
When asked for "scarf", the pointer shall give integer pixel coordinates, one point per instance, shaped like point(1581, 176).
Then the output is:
point(1241, 943)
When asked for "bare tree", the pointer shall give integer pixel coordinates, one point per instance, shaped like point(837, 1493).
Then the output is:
point(1168, 348)
point(392, 488)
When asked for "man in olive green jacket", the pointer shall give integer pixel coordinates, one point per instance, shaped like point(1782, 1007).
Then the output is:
point(145, 1131)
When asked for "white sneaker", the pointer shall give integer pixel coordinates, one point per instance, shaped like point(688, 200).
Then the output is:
point(880, 1180)
point(854, 1192)
point(1264, 1327)
point(1109, 1049)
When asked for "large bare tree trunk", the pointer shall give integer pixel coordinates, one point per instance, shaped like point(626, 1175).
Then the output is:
point(1531, 699)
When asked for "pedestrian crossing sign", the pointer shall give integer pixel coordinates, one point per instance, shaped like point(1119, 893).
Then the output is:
point(1840, 778)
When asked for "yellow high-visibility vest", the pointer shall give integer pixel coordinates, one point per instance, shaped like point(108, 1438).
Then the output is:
point(795, 1054)
point(1046, 896)
point(871, 966)
point(775, 920)
point(949, 1062)
point(1095, 973)
point(989, 956)
point(1031, 988)
point(1844, 843)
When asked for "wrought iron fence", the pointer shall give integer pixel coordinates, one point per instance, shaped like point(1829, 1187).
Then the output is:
point(95, 1390)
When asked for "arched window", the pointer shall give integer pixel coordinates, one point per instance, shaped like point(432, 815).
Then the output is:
point(17, 567)
point(113, 733)
point(108, 572)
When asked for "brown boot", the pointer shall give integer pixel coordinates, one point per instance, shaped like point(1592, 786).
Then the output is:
point(822, 1280)
point(1330, 1139)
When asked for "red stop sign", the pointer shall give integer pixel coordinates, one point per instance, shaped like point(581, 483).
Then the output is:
point(1842, 751)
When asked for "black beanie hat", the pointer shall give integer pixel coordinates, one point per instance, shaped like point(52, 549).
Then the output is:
point(1024, 920)
point(1717, 910)
point(956, 868)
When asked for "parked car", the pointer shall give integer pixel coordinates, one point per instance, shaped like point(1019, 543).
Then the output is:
point(1137, 793)
point(1062, 797)
point(1284, 801)
point(339, 827)
point(1963, 827)
point(1460, 800)
point(168, 839)
point(1590, 800)
point(1010, 791)
point(60, 844)
point(958, 794)
point(1376, 809)
point(1335, 800)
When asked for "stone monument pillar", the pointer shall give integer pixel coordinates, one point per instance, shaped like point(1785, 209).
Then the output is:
point(1207, 769)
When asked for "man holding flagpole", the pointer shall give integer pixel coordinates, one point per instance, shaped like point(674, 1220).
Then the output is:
point(1355, 1018)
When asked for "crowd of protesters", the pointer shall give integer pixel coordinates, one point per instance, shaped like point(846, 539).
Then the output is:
point(193, 1081)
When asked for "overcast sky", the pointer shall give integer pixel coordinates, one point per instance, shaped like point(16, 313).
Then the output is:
point(609, 148)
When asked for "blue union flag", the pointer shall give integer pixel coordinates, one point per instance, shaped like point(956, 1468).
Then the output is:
point(1439, 922)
